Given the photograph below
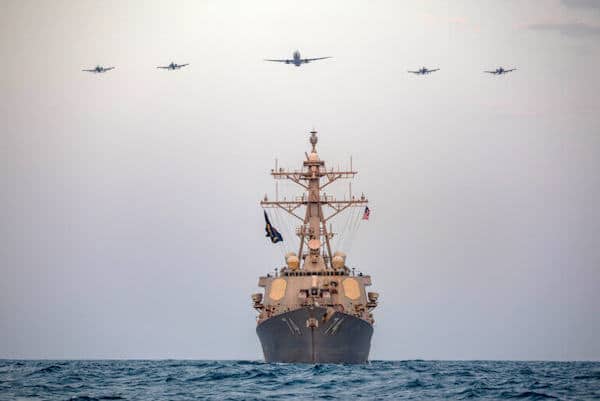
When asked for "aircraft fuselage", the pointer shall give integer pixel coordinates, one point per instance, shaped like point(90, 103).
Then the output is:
point(296, 60)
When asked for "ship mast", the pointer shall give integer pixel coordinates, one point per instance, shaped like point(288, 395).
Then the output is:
point(313, 230)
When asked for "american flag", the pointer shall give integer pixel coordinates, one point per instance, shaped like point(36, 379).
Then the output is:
point(366, 213)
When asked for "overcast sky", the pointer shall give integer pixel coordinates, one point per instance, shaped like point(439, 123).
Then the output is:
point(129, 217)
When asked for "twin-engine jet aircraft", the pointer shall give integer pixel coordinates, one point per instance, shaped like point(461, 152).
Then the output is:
point(297, 60)
point(424, 71)
point(172, 66)
point(500, 71)
point(99, 69)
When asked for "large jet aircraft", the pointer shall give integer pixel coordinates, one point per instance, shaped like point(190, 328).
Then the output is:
point(424, 71)
point(99, 69)
point(297, 60)
point(500, 71)
point(172, 66)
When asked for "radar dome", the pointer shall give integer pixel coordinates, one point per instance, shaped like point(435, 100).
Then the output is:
point(338, 262)
point(314, 244)
point(340, 253)
point(292, 261)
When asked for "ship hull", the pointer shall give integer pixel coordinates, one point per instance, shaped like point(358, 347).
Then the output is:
point(305, 336)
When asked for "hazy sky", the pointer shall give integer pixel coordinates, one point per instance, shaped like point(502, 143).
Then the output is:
point(129, 216)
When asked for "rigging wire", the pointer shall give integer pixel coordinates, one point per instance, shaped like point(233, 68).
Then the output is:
point(340, 237)
point(280, 245)
point(293, 238)
point(354, 228)
point(284, 219)
point(346, 232)
point(281, 227)
point(285, 225)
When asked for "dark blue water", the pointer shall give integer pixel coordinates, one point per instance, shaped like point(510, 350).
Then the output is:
point(246, 380)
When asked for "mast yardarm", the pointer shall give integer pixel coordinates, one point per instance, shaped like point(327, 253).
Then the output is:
point(313, 234)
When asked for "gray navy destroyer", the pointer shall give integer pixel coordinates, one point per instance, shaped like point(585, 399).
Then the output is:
point(315, 309)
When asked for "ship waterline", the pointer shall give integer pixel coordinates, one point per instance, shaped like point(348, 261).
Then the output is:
point(315, 309)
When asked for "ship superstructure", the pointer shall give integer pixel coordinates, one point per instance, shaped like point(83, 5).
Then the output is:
point(315, 309)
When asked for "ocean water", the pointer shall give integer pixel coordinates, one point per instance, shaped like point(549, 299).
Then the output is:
point(250, 380)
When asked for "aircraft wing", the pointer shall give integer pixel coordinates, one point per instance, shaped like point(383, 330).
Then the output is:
point(183, 65)
point(89, 70)
point(280, 61)
point(163, 67)
point(109, 68)
point(437, 69)
point(510, 70)
point(414, 72)
point(491, 72)
point(308, 60)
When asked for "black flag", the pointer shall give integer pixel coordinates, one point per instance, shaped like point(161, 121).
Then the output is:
point(271, 231)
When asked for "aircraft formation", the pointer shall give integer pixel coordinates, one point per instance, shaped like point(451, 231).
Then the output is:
point(101, 70)
point(497, 71)
point(297, 60)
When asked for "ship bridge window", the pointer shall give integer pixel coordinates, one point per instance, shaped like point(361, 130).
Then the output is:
point(320, 273)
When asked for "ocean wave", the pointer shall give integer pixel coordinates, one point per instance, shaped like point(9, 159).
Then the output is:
point(96, 398)
point(468, 393)
point(256, 380)
point(529, 395)
point(414, 384)
point(592, 375)
point(47, 369)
